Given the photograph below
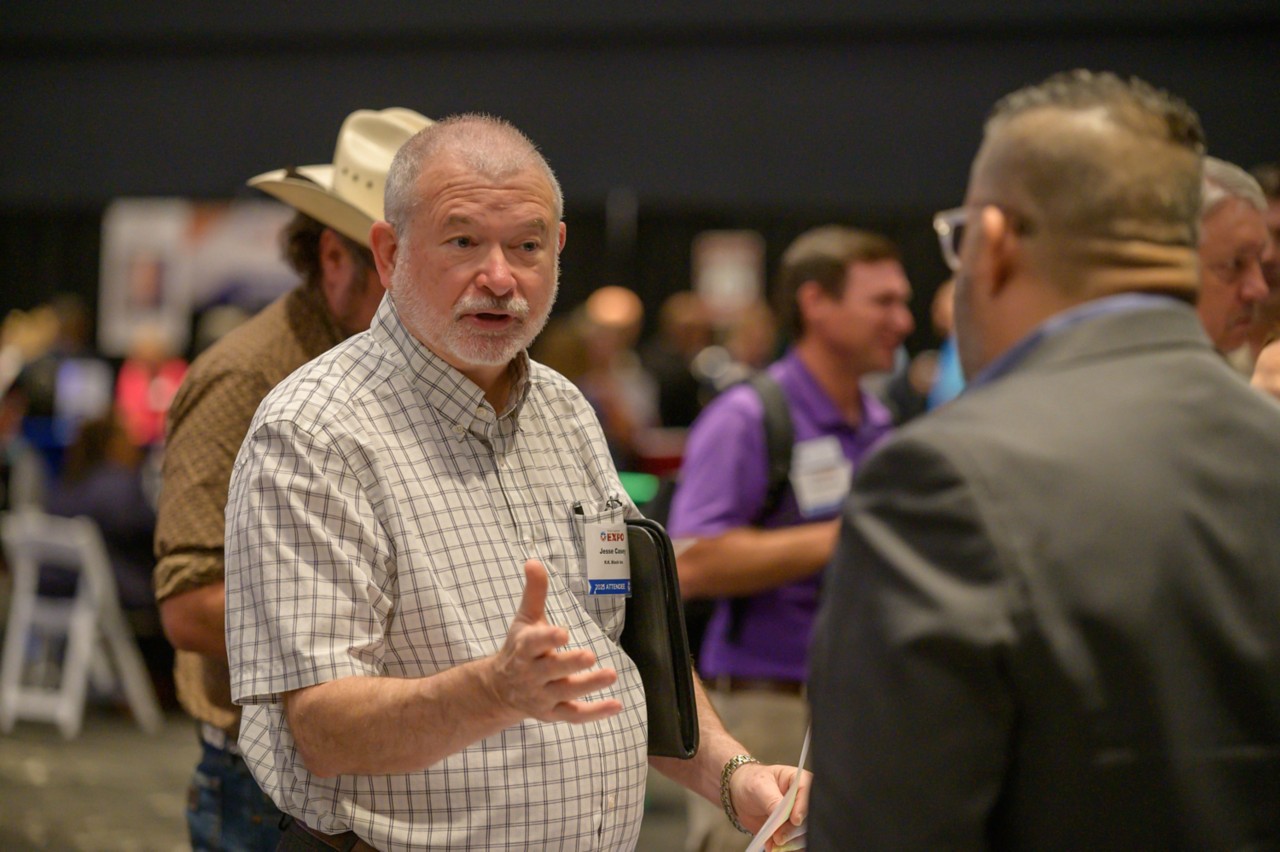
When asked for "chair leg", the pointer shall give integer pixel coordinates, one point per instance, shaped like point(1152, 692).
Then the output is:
point(123, 649)
point(17, 631)
point(81, 635)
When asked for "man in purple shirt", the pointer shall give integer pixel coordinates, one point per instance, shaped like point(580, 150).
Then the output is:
point(845, 297)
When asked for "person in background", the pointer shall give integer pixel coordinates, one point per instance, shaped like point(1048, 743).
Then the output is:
point(412, 527)
point(145, 386)
point(684, 330)
point(1052, 617)
point(102, 479)
point(614, 381)
point(1263, 346)
point(845, 298)
point(327, 244)
point(948, 378)
point(1233, 245)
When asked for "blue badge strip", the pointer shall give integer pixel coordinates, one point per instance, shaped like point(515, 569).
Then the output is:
point(610, 587)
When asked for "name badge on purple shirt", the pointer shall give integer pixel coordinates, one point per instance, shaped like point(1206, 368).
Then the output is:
point(820, 475)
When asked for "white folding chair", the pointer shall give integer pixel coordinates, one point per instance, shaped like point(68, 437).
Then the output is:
point(99, 644)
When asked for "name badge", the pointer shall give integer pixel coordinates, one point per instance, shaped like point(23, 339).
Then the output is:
point(608, 561)
point(820, 475)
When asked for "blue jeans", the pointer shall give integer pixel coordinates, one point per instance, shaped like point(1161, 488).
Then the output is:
point(226, 810)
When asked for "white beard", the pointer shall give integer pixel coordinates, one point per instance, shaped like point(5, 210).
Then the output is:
point(453, 339)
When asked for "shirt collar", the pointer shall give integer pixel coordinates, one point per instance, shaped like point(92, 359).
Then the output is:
point(810, 396)
point(1059, 322)
point(455, 397)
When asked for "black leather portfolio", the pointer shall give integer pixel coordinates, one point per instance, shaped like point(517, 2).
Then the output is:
point(654, 637)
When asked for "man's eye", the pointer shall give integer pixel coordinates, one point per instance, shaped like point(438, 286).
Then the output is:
point(529, 245)
point(462, 242)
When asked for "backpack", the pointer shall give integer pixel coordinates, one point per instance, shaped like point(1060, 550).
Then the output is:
point(778, 440)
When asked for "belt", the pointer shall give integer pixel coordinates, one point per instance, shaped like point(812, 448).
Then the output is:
point(347, 841)
point(214, 736)
point(732, 683)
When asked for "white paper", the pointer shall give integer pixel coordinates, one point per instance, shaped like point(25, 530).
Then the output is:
point(783, 811)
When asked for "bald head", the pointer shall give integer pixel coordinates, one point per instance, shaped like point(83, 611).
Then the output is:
point(1088, 156)
point(488, 146)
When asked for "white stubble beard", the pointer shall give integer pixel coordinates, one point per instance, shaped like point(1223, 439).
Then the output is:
point(452, 339)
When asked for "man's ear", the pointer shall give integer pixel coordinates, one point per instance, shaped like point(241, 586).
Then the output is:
point(810, 299)
point(383, 244)
point(1000, 249)
point(563, 233)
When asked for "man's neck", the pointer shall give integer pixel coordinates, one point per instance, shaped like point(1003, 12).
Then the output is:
point(495, 382)
point(838, 380)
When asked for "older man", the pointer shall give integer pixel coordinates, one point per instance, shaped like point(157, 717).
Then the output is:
point(1234, 243)
point(1052, 617)
point(327, 244)
point(407, 685)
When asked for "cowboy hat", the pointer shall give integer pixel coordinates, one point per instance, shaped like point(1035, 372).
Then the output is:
point(347, 195)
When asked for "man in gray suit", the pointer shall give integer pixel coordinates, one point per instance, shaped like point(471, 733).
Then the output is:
point(1053, 618)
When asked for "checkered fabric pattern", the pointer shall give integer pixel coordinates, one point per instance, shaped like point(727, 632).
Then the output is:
point(379, 515)
point(206, 425)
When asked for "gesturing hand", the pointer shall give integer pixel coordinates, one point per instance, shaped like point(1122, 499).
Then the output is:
point(532, 677)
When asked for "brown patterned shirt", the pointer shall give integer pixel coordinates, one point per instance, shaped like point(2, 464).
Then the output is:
point(207, 423)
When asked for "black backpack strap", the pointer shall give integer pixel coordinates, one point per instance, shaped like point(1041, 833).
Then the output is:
point(779, 437)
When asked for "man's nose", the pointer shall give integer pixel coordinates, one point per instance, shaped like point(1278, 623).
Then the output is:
point(495, 274)
point(1253, 289)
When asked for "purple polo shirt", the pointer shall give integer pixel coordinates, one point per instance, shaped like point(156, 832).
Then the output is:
point(722, 486)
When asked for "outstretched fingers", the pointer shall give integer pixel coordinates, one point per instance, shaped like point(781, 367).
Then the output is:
point(535, 677)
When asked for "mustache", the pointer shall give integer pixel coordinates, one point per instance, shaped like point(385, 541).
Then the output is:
point(516, 306)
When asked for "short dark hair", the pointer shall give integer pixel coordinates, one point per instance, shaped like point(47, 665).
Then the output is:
point(300, 243)
point(1138, 179)
point(824, 255)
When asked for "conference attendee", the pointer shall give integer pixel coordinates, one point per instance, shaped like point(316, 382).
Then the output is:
point(1233, 245)
point(414, 558)
point(758, 545)
point(327, 244)
point(1264, 333)
point(1052, 618)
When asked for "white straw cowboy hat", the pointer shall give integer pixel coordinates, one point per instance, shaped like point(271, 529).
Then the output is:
point(347, 195)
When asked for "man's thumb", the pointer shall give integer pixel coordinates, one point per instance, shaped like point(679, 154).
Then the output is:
point(533, 603)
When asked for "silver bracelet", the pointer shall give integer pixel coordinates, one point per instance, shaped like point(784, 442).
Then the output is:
point(725, 799)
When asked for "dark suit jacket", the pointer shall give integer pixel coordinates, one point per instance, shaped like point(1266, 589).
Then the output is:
point(1053, 619)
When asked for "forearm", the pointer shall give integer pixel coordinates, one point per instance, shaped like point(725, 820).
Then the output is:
point(195, 620)
point(380, 725)
point(748, 560)
point(701, 773)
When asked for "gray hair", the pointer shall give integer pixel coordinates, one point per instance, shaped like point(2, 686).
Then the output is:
point(488, 145)
point(1223, 180)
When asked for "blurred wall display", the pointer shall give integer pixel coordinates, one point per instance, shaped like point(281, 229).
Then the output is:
point(166, 259)
point(728, 272)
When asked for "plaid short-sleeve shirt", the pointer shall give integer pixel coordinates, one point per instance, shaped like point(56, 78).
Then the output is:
point(379, 516)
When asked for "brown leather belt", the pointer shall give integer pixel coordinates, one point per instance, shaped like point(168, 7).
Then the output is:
point(732, 683)
point(347, 841)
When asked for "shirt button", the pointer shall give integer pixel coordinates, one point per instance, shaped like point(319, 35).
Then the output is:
point(459, 429)
point(612, 801)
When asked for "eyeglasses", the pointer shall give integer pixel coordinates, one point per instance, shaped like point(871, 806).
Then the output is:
point(949, 225)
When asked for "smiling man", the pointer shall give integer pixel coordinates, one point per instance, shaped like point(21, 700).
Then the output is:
point(758, 546)
point(406, 683)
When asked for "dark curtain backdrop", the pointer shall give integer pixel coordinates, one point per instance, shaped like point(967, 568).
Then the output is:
point(713, 115)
